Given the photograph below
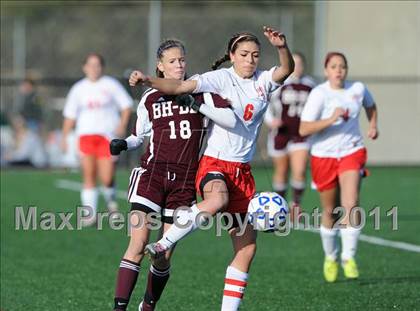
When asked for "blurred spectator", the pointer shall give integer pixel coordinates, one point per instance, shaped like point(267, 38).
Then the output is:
point(28, 105)
point(28, 148)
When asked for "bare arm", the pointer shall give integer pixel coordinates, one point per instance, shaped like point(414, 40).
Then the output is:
point(372, 115)
point(308, 128)
point(124, 118)
point(167, 86)
point(287, 65)
point(68, 124)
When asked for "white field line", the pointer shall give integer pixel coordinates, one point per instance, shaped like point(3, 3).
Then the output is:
point(76, 186)
point(376, 240)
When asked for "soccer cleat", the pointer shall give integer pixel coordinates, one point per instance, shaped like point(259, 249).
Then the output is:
point(145, 307)
point(330, 270)
point(350, 269)
point(155, 250)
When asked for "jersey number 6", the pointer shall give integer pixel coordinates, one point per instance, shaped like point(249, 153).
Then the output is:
point(249, 112)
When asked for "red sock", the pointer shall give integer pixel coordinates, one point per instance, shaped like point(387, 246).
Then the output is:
point(126, 280)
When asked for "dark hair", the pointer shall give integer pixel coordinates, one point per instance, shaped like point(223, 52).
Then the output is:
point(97, 55)
point(233, 44)
point(331, 55)
point(165, 45)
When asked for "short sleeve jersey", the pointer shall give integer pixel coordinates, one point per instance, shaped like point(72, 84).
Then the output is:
point(343, 137)
point(289, 100)
point(95, 105)
point(176, 132)
point(249, 101)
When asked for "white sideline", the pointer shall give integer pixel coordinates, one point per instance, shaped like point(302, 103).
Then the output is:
point(76, 186)
point(378, 241)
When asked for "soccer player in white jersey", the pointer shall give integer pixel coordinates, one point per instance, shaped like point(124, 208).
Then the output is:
point(287, 148)
point(100, 108)
point(224, 176)
point(331, 117)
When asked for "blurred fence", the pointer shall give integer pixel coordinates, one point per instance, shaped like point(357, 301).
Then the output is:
point(47, 41)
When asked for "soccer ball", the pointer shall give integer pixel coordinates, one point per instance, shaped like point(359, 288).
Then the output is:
point(267, 211)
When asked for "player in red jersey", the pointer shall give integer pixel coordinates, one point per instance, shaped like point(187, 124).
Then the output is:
point(285, 145)
point(165, 179)
point(224, 177)
point(99, 107)
point(338, 158)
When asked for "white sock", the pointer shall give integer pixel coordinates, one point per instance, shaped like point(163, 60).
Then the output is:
point(329, 242)
point(235, 283)
point(175, 232)
point(108, 193)
point(349, 239)
point(279, 186)
point(89, 197)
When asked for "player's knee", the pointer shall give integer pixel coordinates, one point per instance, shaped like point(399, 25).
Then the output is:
point(220, 201)
point(136, 249)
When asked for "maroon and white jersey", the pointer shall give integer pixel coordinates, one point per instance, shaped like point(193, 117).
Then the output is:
point(176, 133)
point(289, 101)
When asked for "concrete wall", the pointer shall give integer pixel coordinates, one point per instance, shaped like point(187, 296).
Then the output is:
point(381, 40)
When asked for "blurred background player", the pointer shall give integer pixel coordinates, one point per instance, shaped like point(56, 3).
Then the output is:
point(165, 179)
point(100, 108)
point(338, 157)
point(224, 177)
point(285, 145)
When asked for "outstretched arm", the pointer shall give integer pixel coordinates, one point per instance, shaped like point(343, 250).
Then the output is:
point(287, 65)
point(224, 117)
point(167, 86)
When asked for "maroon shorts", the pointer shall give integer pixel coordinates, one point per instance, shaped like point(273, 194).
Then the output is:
point(162, 189)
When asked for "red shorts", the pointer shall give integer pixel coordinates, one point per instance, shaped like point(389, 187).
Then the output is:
point(239, 181)
point(94, 145)
point(325, 171)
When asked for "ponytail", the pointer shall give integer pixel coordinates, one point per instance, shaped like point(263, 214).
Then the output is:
point(220, 61)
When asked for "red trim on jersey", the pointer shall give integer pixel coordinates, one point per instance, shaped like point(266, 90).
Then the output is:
point(235, 282)
point(232, 294)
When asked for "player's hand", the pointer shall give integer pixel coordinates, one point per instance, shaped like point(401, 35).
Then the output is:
point(186, 100)
point(373, 133)
point(137, 77)
point(338, 113)
point(276, 38)
point(117, 145)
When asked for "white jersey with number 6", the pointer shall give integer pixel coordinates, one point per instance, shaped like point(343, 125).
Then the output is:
point(95, 106)
point(249, 101)
point(343, 137)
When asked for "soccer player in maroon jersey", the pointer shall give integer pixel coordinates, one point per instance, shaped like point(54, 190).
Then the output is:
point(165, 179)
point(285, 145)
point(224, 177)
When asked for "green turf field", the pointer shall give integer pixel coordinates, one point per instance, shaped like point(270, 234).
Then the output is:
point(75, 270)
